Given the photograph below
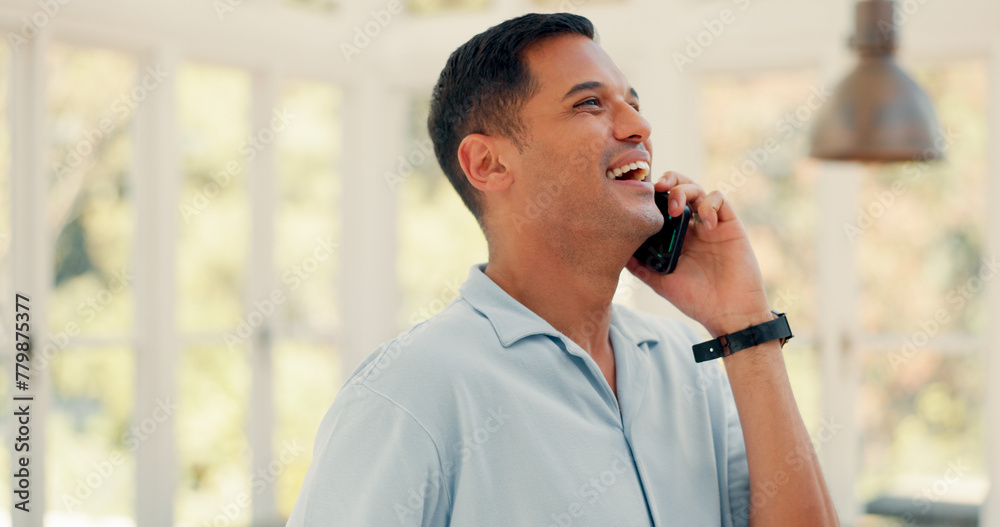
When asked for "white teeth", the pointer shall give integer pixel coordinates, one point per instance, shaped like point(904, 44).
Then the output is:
point(639, 171)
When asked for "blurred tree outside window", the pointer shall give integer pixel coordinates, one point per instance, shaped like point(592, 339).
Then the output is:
point(306, 367)
point(920, 232)
point(213, 105)
point(90, 448)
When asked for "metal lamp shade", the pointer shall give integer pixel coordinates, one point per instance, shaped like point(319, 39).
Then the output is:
point(878, 113)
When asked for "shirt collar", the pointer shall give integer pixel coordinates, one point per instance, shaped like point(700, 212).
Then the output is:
point(512, 321)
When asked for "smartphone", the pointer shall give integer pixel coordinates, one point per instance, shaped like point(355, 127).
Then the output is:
point(661, 250)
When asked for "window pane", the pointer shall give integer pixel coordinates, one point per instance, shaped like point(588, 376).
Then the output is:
point(213, 104)
point(754, 132)
point(307, 220)
point(920, 418)
point(91, 436)
point(214, 388)
point(439, 238)
point(307, 376)
point(923, 224)
point(92, 94)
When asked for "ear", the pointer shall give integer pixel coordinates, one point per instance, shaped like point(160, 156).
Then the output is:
point(479, 156)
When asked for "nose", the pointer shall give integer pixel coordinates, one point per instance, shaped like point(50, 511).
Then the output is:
point(631, 126)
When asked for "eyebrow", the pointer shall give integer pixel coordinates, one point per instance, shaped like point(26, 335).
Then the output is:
point(593, 85)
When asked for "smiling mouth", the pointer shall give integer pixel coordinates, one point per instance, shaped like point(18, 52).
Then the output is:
point(637, 171)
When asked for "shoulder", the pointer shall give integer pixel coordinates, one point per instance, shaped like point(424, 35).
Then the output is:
point(447, 338)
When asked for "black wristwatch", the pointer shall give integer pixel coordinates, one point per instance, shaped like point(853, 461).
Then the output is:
point(728, 344)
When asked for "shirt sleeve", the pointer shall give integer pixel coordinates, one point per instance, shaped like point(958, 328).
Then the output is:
point(373, 465)
point(734, 475)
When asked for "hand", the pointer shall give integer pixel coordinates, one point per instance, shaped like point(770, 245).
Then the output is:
point(717, 281)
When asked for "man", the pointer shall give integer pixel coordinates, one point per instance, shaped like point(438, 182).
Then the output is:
point(531, 399)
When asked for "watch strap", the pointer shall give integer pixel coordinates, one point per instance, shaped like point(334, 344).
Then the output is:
point(746, 338)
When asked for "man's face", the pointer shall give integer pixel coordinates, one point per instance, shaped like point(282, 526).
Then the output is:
point(582, 122)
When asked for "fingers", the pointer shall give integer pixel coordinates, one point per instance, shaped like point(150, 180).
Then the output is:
point(711, 208)
point(669, 180)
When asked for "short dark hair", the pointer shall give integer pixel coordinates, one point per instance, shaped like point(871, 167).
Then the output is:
point(483, 86)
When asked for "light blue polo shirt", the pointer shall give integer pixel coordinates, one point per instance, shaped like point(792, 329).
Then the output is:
point(485, 415)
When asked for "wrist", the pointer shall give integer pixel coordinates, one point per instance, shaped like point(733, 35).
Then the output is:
point(775, 329)
point(734, 323)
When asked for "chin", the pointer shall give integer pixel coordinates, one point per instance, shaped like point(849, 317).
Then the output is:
point(652, 219)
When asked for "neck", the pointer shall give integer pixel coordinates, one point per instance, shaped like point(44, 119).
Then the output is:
point(569, 288)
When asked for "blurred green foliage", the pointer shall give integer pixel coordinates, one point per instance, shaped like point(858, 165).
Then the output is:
point(93, 214)
point(921, 409)
point(931, 233)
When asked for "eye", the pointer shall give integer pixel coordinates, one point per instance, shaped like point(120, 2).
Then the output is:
point(591, 102)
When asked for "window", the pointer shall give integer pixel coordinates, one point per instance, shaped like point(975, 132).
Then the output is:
point(90, 452)
point(920, 233)
point(307, 368)
point(439, 238)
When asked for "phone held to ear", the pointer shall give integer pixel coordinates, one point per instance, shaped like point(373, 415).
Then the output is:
point(661, 250)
